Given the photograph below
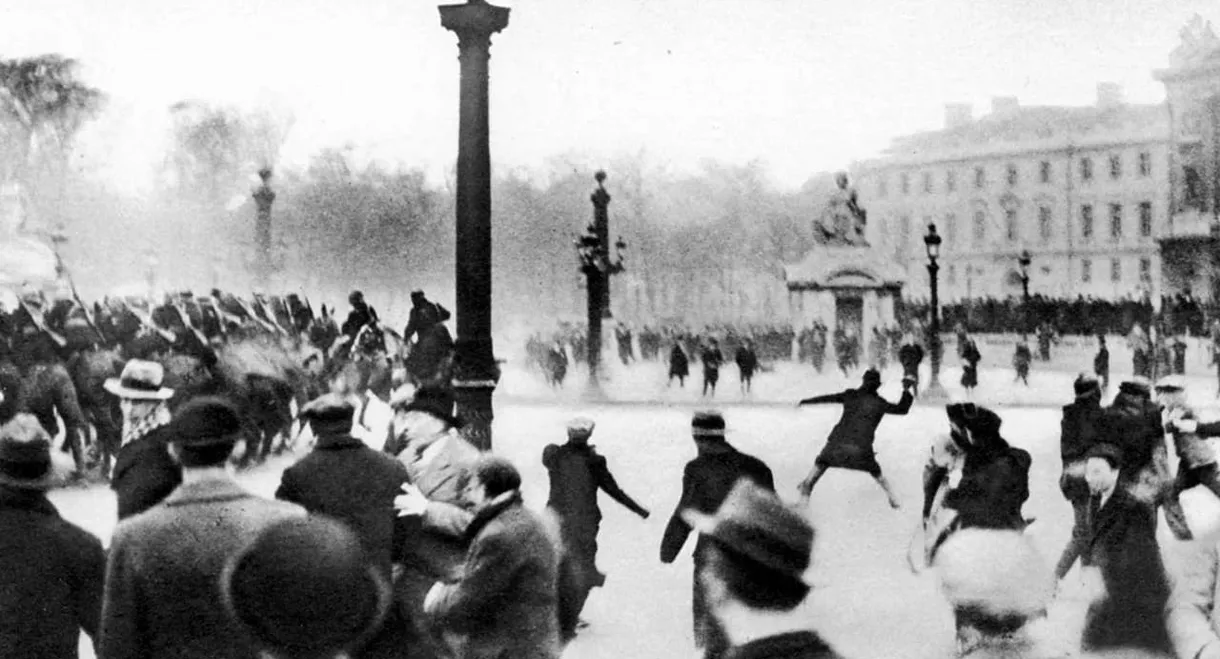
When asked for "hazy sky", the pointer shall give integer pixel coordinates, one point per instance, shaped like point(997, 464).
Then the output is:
point(804, 85)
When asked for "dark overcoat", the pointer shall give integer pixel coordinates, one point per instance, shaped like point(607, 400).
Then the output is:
point(51, 588)
point(346, 480)
point(144, 473)
point(505, 603)
point(850, 444)
point(706, 481)
point(162, 595)
point(994, 487)
point(1123, 546)
point(1080, 428)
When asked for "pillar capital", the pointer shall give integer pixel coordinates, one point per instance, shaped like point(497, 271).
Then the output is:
point(475, 20)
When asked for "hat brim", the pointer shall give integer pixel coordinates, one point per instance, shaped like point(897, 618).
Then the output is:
point(384, 599)
point(705, 524)
point(115, 386)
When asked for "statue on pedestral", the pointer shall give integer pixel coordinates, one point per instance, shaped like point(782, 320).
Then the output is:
point(843, 220)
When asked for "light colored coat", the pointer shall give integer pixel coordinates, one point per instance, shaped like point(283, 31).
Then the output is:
point(1191, 615)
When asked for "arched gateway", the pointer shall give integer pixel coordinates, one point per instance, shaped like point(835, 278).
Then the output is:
point(844, 286)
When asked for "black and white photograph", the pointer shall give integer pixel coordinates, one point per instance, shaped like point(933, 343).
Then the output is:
point(561, 329)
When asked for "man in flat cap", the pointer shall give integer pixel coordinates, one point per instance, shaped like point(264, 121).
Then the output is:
point(144, 473)
point(1196, 460)
point(577, 471)
point(346, 480)
point(754, 575)
point(164, 568)
point(706, 481)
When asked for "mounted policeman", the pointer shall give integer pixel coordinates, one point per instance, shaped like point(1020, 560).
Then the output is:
point(431, 354)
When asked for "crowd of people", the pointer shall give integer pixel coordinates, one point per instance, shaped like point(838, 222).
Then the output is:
point(1080, 316)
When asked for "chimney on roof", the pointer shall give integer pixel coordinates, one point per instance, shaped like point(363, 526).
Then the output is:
point(1004, 105)
point(958, 115)
point(1109, 95)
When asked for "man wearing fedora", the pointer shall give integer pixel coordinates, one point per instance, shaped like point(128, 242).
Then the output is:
point(346, 480)
point(706, 481)
point(434, 510)
point(165, 564)
point(754, 539)
point(52, 587)
point(308, 573)
point(577, 472)
point(850, 444)
point(144, 473)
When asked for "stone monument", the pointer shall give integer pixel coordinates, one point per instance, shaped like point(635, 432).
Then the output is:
point(843, 282)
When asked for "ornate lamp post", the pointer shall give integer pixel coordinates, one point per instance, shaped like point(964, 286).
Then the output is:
point(597, 264)
point(931, 243)
point(475, 372)
point(1023, 260)
point(264, 196)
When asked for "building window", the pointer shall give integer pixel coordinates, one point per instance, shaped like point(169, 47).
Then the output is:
point(1116, 166)
point(1116, 270)
point(904, 235)
point(881, 186)
point(927, 181)
point(1010, 224)
point(1145, 163)
point(1044, 171)
point(1086, 270)
point(1044, 223)
point(980, 177)
point(1012, 175)
point(1146, 270)
point(1086, 169)
point(1116, 221)
point(1086, 221)
point(950, 228)
point(906, 183)
point(952, 277)
point(950, 180)
point(1145, 219)
point(980, 227)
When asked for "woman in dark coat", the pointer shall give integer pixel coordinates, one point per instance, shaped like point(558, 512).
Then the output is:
point(850, 445)
point(970, 363)
point(679, 365)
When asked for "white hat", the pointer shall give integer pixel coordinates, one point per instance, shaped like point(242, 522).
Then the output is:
point(1171, 383)
point(140, 380)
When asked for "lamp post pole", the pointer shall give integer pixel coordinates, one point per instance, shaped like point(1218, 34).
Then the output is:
point(1024, 260)
point(475, 371)
point(264, 196)
point(934, 390)
point(598, 265)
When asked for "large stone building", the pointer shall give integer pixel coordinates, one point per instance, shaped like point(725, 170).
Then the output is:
point(1113, 200)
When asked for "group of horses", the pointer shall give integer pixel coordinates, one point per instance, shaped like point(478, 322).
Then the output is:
point(268, 354)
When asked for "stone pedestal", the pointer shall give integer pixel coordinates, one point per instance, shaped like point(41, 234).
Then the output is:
point(844, 286)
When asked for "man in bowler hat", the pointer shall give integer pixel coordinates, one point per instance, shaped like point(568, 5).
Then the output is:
point(164, 568)
point(346, 480)
point(307, 573)
point(144, 473)
point(577, 472)
point(754, 577)
point(51, 588)
point(706, 481)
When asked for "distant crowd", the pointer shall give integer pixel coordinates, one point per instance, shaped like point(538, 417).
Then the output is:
point(1078, 316)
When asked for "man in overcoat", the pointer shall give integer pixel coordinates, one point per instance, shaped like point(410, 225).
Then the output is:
point(162, 594)
point(504, 604)
point(144, 473)
point(1079, 429)
point(706, 481)
point(51, 588)
point(346, 480)
point(910, 355)
point(577, 472)
point(850, 445)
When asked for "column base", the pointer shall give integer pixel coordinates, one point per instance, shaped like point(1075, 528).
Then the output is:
point(933, 394)
point(474, 407)
point(593, 391)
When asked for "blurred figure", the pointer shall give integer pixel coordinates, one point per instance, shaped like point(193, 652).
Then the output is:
point(304, 589)
point(165, 564)
point(679, 365)
point(1196, 459)
point(706, 482)
point(51, 590)
point(1080, 428)
point(850, 444)
point(754, 574)
point(505, 602)
point(712, 358)
point(1101, 363)
point(1021, 357)
point(910, 355)
point(969, 353)
point(577, 472)
point(1123, 546)
point(144, 472)
point(1192, 616)
point(747, 363)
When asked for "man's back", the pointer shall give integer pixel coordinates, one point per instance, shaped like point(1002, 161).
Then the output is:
point(706, 481)
point(144, 473)
point(162, 582)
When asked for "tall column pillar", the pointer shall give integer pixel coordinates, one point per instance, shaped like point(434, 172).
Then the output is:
point(475, 371)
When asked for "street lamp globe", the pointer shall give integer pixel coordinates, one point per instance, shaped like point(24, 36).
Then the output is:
point(932, 242)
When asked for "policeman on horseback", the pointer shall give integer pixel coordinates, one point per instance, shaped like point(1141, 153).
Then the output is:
point(433, 346)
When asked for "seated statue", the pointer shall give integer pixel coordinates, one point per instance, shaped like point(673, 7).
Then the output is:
point(843, 220)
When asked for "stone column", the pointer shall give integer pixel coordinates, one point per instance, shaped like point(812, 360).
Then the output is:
point(475, 371)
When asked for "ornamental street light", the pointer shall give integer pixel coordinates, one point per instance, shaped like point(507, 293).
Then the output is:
point(597, 264)
point(1023, 260)
point(264, 196)
point(932, 244)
